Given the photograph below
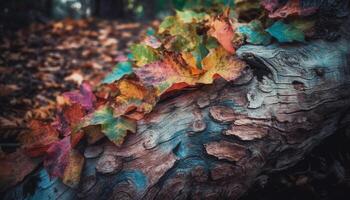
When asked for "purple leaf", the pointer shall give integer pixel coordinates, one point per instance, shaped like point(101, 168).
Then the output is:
point(84, 97)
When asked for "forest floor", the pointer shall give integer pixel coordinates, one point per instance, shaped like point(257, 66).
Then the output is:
point(40, 62)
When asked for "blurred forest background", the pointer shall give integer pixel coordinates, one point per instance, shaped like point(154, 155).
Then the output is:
point(15, 14)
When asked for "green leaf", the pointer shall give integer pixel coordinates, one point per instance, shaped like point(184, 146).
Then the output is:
point(189, 16)
point(285, 32)
point(255, 33)
point(115, 129)
point(180, 44)
point(122, 69)
point(185, 35)
point(166, 24)
point(143, 54)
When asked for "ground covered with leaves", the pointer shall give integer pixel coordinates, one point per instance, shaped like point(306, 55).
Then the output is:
point(40, 62)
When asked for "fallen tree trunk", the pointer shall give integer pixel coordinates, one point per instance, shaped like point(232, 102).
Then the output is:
point(213, 142)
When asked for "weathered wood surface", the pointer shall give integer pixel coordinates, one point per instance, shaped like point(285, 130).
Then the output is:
point(213, 142)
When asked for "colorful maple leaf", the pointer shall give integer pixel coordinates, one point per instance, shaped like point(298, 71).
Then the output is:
point(115, 128)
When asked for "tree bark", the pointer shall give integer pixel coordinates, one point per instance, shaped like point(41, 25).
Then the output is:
point(213, 142)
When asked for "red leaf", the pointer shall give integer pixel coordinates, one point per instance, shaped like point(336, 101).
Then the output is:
point(68, 120)
point(73, 114)
point(84, 97)
point(38, 140)
point(14, 167)
point(57, 156)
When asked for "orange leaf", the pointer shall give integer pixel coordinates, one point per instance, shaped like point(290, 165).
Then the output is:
point(133, 96)
point(222, 30)
point(38, 140)
point(73, 113)
point(164, 74)
point(220, 63)
point(173, 73)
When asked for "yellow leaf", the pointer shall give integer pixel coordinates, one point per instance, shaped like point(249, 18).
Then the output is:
point(72, 172)
point(220, 62)
point(133, 96)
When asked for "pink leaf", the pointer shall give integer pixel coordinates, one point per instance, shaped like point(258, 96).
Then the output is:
point(56, 159)
point(84, 96)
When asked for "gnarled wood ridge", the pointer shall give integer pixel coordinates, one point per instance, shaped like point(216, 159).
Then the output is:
point(212, 143)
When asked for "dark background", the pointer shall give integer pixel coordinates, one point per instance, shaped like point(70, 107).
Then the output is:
point(15, 14)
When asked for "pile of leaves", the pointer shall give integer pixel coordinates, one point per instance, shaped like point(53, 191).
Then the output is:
point(193, 47)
